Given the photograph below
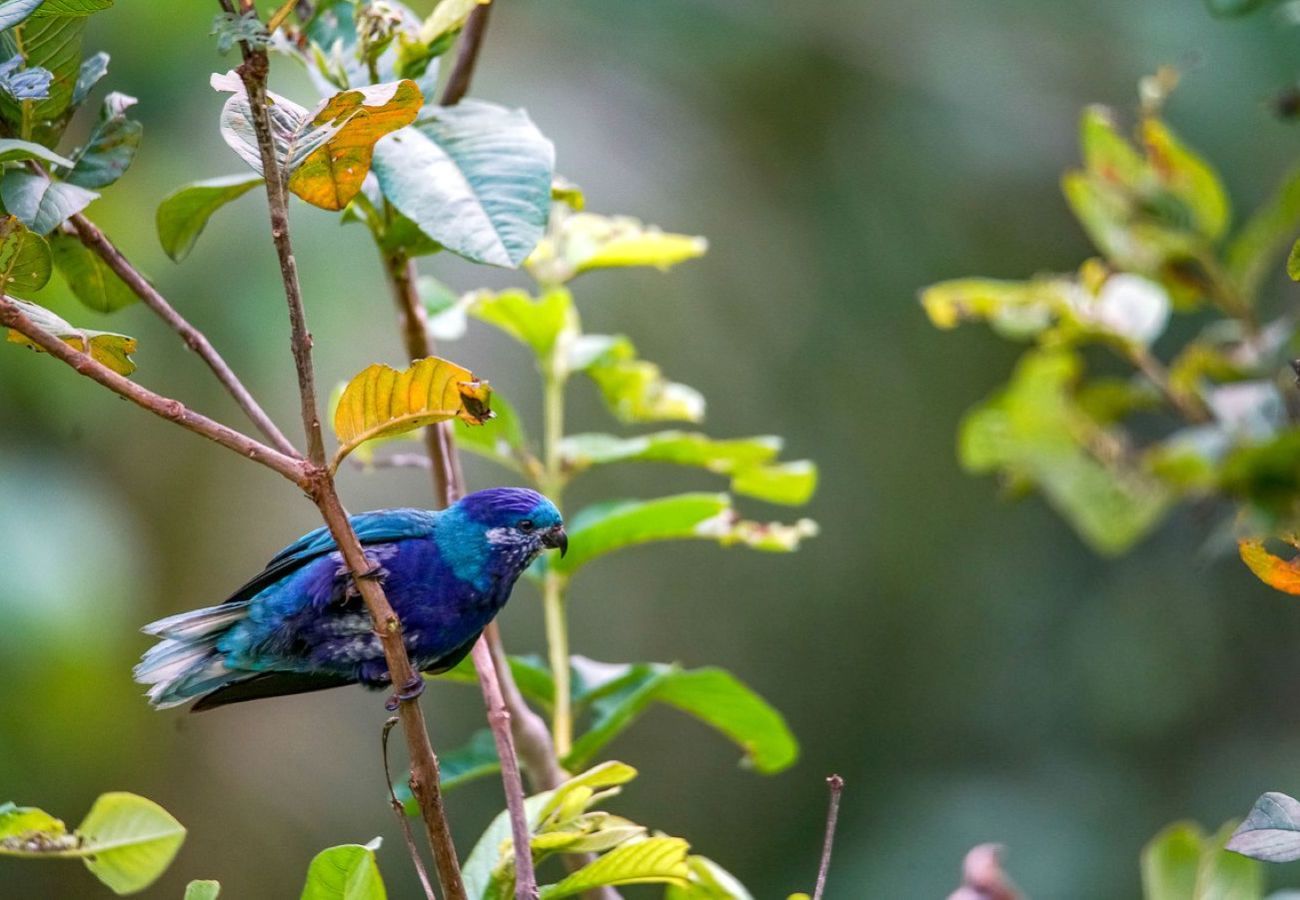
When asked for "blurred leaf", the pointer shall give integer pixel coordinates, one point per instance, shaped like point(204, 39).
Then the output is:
point(110, 148)
point(42, 205)
point(1015, 309)
point(184, 212)
point(982, 876)
point(607, 527)
point(537, 323)
point(14, 12)
point(660, 860)
point(1183, 863)
point(474, 177)
point(1271, 832)
point(501, 438)
point(382, 402)
point(24, 259)
point(128, 841)
point(24, 83)
point(1293, 262)
point(90, 279)
point(326, 153)
point(565, 191)
point(1189, 177)
point(202, 890)
point(12, 150)
point(1264, 236)
point(92, 69)
point(52, 43)
point(1033, 431)
point(579, 242)
point(1266, 474)
point(113, 350)
point(346, 872)
point(634, 390)
point(1105, 152)
point(447, 18)
point(748, 461)
point(707, 881)
point(21, 824)
point(1233, 8)
point(1278, 573)
point(712, 695)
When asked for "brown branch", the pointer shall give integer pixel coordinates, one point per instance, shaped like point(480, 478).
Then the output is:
point(98, 242)
point(291, 467)
point(471, 41)
point(424, 780)
point(400, 811)
point(836, 784)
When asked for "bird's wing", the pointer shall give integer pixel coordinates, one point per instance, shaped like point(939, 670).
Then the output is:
point(379, 527)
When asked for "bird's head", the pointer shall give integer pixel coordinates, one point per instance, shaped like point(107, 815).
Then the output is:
point(517, 521)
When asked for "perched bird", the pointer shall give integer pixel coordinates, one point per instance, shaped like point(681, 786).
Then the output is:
point(301, 624)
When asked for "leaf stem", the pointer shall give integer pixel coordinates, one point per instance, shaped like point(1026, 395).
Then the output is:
point(98, 242)
point(557, 649)
point(836, 785)
point(471, 41)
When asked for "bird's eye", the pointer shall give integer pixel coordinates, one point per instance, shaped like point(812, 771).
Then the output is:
point(526, 525)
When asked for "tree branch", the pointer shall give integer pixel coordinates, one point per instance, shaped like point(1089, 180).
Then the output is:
point(424, 781)
point(98, 242)
point(836, 784)
point(399, 810)
point(471, 41)
point(291, 467)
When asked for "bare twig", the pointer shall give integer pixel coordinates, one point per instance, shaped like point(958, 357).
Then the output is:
point(291, 467)
point(471, 41)
point(400, 811)
point(98, 242)
point(424, 778)
point(836, 784)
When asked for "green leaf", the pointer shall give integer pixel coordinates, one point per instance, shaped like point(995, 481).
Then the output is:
point(1188, 177)
point(608, 527)
point(477, 869)
point(538, 323)
point(1034, 432)
point(72, 7)
point(52, 43)
point(346, 872)
point(1015, 309)
point(20, 825)
point(1293, 262)
point(326, 153)
point(475, 177)
point(708, 881)
point(42, 205)
point(634, 390)
point(111, 146)
point(1265, 235)
point(659, 860)
point(128, 841)
point(1183, 863)
point(447, 18)
point(13, 150)
point(183, 214)
point(712, 695)
point(1272, 830)
point(88, 276)
point(749, 462)
point(501, 438)
point(202, 890)
point(92, 69)
point(112, 350)
point(24, 259)
point(580, 242)
point(474, 760)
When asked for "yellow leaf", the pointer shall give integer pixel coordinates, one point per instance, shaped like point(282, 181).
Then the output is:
point(1282, 574)
point(112, 350)
point(331, 175)
point(447, 17)
point(383, 402)
point(580, 241)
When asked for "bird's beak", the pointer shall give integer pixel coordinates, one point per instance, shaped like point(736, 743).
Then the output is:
point(555, 538)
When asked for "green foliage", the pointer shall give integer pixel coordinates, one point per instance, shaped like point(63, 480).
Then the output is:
point(1184, 863)
point(110, 148)
point(202, 890)
point(42, 204)
point(346, 872)
point(25, 262)
point(113, 350)
point(88, 276)
point(126, 841)
point(184, 212)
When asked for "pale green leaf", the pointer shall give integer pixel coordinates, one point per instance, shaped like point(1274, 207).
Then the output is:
point(658, 860)
point(88, 276)
point(1189, 177)
point(112, 350)
point(184, 212)
point(634, 390)
point(202, 890)
point(111, 147)
point(708, 881)
point(25, 262)
point(447, 18)
point(20, 825)
point(13, 150)
point(42, 205)
point(579, 242)
point(474, 177)
point(346, 872)
point(1263, 238)
point(128, 841)
point(539, 323)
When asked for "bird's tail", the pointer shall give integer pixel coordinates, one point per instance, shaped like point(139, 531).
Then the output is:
point(186, 662)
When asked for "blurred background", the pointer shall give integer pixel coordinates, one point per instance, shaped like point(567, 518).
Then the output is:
point(970, 668)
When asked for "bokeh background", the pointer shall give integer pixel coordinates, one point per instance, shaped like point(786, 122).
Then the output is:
point(972, 670)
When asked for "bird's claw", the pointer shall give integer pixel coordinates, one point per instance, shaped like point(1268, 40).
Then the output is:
point(408, 691)
point(374, 573)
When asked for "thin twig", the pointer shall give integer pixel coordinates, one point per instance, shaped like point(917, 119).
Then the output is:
point(400, 811)
point(471, 41)
point(425, 784)
point(499, 719)
point(291, 467)
point(106, 250)
point(836, 784)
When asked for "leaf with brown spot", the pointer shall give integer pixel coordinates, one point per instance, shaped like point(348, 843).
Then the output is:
point(383, 402)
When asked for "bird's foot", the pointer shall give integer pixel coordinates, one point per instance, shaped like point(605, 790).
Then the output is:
point(376, 572)
point(408, 691)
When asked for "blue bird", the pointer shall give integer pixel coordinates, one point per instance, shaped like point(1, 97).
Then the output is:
point(301, 625)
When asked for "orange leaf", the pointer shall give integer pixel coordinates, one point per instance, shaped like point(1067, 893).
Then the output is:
point(1282, 574)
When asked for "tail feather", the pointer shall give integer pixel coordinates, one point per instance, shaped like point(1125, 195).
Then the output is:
point(186, 663)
